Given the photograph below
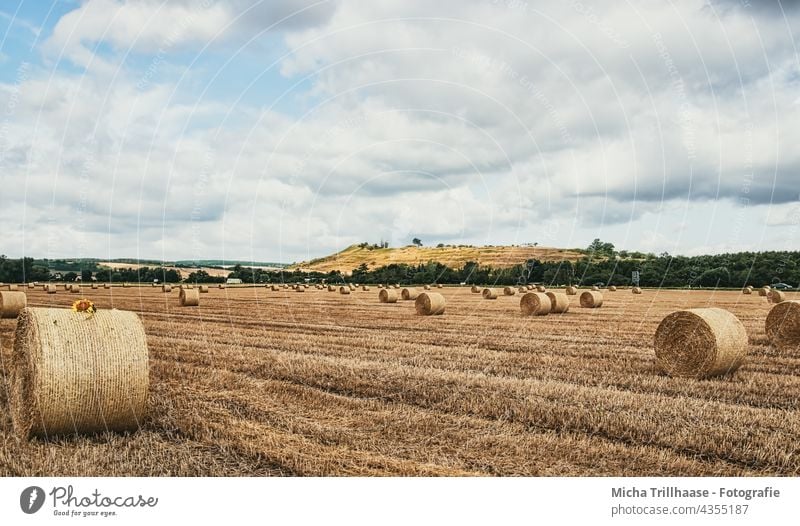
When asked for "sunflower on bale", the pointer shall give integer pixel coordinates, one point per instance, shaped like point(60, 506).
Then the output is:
point(84, 306)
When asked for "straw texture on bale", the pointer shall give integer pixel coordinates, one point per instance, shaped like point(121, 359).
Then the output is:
point(439, 286)
point(94, 285)
point(429, 304)
point(189, 297)
point(125, 285)
point(700, 343)
point(509, 291)
point(591, 299)
point(541, 288)
point(221, 286)
point(595, 287)
point(776, 296)
point(409, 294)
point(365, 288)
point(489, 294)
point(571, 291)
point(529, 287)
point(12, 303)
point(78, 373)
point(387, 296)
point(522, 290)
point(204, 289)
point(331, 288)
point(67, 286)
point(636, 290)
point(31, 286)
point(13, 287)
point(763, 291)
point(344, 290)
point(50, 289)
point(427, 287)
point(275, 288)
point(380, 285)
point(559, 302)
point(475, 289)
point(106, 286)
point(75, 289)
point(612, 288)
point(166, 288)
point(534, 304)
point(300, 289)
point(747, 290)
point(783, 326)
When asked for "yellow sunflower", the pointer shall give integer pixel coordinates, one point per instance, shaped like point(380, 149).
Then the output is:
point(84, 306)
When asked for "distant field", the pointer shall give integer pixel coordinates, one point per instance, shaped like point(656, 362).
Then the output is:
point(184, 272)
point(255, 382)
point(453, 257)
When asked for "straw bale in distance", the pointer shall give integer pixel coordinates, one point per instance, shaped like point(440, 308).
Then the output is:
point(50, 288)
point(595, 288)
point(489, 294)
point(75, 289)
point(509, 291)
point(94, 286)
point(78, 373)
point(763, 291)
point(559, 302)
point(700, 343)
point(636, 290)
point(409, 293)
point(534, 304)
point(204, 289)
point(439, 286)
point(783, 326)
point(541, 288)
point(522, 290)
point(300, 289)
point(529, 287)
point(429, 304)
point(31, 286)
point(747, 290)
point(427, 287)
point(387, 296)
point(591, 299)
point(221, 286)
point(106, 286)
point(365, 288)
point(571, 291)
point(12, 303)
point(776, 296)
point(189, 297)
point(475, 289)
point(344, 290)
point(612, 288)
point(166, 288)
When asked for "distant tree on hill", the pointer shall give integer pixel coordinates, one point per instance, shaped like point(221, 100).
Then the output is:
point(417, 241)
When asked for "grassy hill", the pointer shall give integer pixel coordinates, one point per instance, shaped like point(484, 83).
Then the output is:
point(451, 256)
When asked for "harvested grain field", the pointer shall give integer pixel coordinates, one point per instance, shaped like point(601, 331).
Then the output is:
point(262, 382)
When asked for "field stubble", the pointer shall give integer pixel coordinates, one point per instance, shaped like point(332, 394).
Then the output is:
point(256, 382)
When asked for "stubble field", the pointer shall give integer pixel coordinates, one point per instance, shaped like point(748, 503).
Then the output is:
point(255, 382)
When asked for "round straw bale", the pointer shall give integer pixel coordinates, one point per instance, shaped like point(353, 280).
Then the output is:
point(125, 285)
point(571, 291)
point(522, 290)
point(331, 288)
point(94, 285)
point(204, 289)
point(380, 285)
point(763, 291)
point(529, 287)
point(13, 287)
point(78, 373)
point(67, 286)
point(351, 287)
point(427, 287)
point(275, 288)
point(365, 288)
point(475, 289)
point(489, 294)
point(747, 290)
point(221, 286)
point(636, 290)
point(439, 286)
point(776, 296)
point(700, 343)
point(534, 304)
point(344, 290)
point(387, 296)
point(612, 288)
point(750, 287)
point(429, 304)
point(595, 288)
point(75, 289)
point(409, 293)
point(166, 288)
point(541, 288)
point(189, 297)
point(591, 299)
point(50, 288)
point(31, 286)
point(559, 302)
point(12, 303)
point(509, 291)
point(783, 325)
point(106, 285)
point(300, 289)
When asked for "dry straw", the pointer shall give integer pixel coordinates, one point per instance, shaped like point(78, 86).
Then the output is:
point(429, 304)
point(365, 288)
point(78, 373)
point(571, 291)
point(612, 288)
point(747, 290)
point(189, 297)
point(50, 288)
point(300, 289)
point(522, 290)
point(489, 294)
point(534, 304)
point(409, 293)
point(221, 286)
point(13, 288)
point(595, 288)
point(94, 286)
point(204, 289)
point(125, 285)
point(166, 288)
point(439, 286)
point(106, 286)
point(541, 288)
point(276, 288)
point(509, 291)
point(12, 303)
point(783, 326)
point(700, 343)
point(387, 296)
point(636, 290)
point(591, 299)
point(776, 296)
point(31, 286)
point(763, 291)
point(475, 289)
point(331, 288)
point(529, 287)
point(75, 289)
point(344, 290)
point(427, 287)
point(559, 302)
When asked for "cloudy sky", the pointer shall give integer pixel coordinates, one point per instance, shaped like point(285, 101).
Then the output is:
point(281, 130)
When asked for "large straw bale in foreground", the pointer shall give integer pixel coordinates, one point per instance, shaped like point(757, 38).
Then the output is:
point(12, 303)
point(783, 326)
point(534, 304)
point(78, 373)
point(700, 343)
point(429, 304)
